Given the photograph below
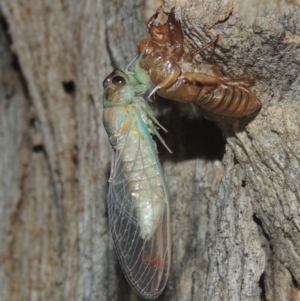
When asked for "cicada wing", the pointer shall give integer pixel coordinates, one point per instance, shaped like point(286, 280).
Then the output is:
point(145, 261)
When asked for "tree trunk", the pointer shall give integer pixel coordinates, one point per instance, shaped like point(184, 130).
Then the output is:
point(235, 222)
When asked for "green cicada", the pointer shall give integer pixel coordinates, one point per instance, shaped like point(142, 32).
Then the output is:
point(138, 200)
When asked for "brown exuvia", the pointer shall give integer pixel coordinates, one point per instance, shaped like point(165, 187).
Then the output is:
point(178, 76)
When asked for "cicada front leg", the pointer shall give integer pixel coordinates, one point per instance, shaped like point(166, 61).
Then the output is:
point(164, 72)
point(152, 19)
point(191, 54)
point(202, 79)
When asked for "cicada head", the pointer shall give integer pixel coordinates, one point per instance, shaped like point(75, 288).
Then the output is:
point(117, 89)
point(159, 33)
point(170, 32)
point(174, 28)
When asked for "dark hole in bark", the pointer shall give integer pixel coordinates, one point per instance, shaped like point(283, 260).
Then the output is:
point(38, 148)
point(75, 160)
point(69, 87)
point(75, 155)
point(32, 122)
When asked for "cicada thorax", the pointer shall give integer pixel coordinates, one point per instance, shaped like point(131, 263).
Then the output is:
point(179, 77)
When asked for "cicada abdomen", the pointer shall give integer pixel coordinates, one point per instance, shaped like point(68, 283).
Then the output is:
point(217, 94)
point(138, 201)
point(178, 76)
point(229, 100)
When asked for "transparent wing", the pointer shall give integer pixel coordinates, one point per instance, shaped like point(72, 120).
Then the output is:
point(145, 261)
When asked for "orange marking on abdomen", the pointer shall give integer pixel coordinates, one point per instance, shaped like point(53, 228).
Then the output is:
point(125, 127)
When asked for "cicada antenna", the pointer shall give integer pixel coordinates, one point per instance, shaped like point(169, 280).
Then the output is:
point(137, 58)
point(109, 71)
point(132, 61)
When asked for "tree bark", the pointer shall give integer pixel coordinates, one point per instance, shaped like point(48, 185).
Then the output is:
point(234, 183)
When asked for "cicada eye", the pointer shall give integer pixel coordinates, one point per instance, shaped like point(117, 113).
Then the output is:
point(107, 80)
point(119, 81)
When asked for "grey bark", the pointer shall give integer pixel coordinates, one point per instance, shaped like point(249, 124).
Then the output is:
point(235, 223)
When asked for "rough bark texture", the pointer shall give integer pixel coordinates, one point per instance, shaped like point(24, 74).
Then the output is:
point(235, 224)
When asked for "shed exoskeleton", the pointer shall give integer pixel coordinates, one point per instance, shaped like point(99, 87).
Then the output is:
point(177, 76)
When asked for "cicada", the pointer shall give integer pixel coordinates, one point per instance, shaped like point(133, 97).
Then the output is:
point(178, 76)
point(138, 200)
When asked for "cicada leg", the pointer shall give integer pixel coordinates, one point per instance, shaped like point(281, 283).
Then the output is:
point(169, 78)
point(193, 53)
point(151, 125)
point(154, 131)
point(168, 82)
point(131, 62)
point(202, 78)
point(152, 20)
point(244, 81)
